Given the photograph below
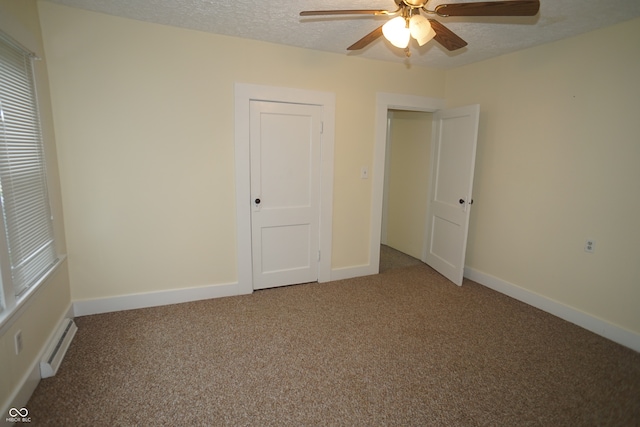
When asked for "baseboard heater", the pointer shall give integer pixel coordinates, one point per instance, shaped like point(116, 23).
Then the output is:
point(58, 348)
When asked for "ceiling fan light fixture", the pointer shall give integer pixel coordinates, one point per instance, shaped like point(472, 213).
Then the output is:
point(420, 29)
point(396, 31)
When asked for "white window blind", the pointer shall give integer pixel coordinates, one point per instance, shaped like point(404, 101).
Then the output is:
point(24, 198)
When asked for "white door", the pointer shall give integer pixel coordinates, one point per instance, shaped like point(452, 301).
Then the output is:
point(285, 192)
point(453, 162)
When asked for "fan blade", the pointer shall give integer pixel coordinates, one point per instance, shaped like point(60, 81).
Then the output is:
point(446, 37)
point(490, 8)
point(344, 12)
point(363, 42)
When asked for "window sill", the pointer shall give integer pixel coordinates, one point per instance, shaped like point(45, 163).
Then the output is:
point(10, 315)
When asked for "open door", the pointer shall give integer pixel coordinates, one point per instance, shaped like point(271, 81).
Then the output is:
point(452, 167)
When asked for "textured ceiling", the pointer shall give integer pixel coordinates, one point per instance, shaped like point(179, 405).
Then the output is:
point(278, 21)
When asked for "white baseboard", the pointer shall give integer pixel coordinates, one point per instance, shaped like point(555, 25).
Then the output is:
point(351, 272)
point(155, 299)
point(175, 296)
point(31, 379)
point(587, 321)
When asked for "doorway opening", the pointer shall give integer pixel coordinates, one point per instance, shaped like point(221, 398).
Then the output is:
point(385, 103)
point(406, 184)
point(453, 148)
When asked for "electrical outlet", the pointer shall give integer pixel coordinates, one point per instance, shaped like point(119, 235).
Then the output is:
point(17, 338)
point(590, 246)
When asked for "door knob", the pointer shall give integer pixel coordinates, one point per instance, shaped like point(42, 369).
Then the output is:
point(257, 201)
point(461, 201)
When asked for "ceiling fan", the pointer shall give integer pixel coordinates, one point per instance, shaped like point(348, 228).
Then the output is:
point(408, 21)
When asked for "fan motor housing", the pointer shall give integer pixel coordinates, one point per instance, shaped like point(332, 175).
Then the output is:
point(414, 3)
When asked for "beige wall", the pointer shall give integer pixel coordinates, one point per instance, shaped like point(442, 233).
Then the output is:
point(557, 163)
point(144, 119)
point(410, 154)
point(37, 321)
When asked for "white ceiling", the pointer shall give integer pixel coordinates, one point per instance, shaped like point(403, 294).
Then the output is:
point(278, 21)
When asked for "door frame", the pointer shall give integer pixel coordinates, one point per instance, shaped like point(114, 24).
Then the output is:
point(244, 94)
point(384, 103)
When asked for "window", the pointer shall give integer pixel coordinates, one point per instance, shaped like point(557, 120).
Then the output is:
point(27, 247)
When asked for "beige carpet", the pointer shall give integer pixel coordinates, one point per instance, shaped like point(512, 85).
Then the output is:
point(391, 259)
point(403, 348)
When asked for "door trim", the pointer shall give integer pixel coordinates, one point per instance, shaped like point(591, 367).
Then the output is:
point(384, 103)
point(244, 94)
